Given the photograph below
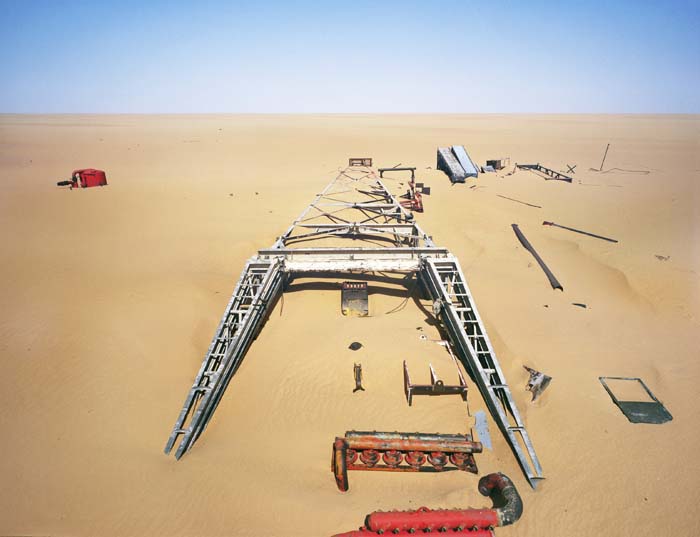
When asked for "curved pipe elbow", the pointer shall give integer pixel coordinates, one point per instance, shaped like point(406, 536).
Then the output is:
point(501, 489)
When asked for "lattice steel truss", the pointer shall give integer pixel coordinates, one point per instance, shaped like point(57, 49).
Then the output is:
point(356, 207)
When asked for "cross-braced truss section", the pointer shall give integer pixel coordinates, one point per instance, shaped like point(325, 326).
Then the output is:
point(355, 225)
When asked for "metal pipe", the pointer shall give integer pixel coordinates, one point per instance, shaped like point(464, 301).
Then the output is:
point(498, 484)
point(526, 244)
point(411, 442)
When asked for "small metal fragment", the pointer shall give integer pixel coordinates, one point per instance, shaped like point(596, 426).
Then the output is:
point(482, 428)
point(360, 161)
point(354, 299)
point(537, 383)
point(355, 345)
point(357, 371)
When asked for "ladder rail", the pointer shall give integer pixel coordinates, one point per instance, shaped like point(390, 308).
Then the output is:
point(483, 362)
point(253, 327)
point(206, 368)
point(207, 386)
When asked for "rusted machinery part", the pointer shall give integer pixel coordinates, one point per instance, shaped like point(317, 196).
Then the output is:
point(362, 532)
point(425, 519)
point(498, 484)
point(384, 451)
point(507, 509)
point(339, 464)
point(412, 442)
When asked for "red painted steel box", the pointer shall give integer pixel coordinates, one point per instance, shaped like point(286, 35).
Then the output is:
point(89, 177)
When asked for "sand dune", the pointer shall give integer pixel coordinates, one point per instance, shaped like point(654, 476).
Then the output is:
point(111, 295)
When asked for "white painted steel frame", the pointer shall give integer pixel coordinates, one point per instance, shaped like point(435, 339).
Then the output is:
point(356, 205)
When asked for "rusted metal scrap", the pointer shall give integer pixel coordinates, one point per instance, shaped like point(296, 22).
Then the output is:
point(354, 301)
point(537, 382)
point(361, 161)
point(474, 522)
point(436, 386)
point(401, 452)
point(548, 173)
point(357, 371)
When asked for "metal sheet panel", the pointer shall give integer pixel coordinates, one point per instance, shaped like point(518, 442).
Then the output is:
point(469, 167)
point(447, 162)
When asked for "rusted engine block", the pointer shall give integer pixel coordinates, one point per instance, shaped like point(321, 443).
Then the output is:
point(401, 452)
point(507, 509)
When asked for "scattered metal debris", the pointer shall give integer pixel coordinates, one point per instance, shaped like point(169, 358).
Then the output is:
point(372, 448)
point(498, 164)
point(436, 386)
point(485, 169)
point(548, 172)
point(354, 299)
point(355, 346)
point(472, 522)
point(423, 189)
point(537, 382)
point(481, 425)
point(523, 202)
point(579, 231)
point(415, 190)
point(662, 257)
point(639, 411)
point(526, 244)
point(570, 168)
point(85, 178)
point(362, 161)
point(579, 304)
point(357, 372)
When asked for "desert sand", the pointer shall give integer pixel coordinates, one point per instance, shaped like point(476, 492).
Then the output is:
point(111, 296)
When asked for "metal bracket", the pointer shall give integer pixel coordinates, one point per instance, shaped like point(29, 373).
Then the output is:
point(436, 386)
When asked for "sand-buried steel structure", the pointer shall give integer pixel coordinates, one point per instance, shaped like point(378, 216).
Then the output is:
point(356, 206)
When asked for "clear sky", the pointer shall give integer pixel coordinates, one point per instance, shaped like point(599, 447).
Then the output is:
point(354, 56)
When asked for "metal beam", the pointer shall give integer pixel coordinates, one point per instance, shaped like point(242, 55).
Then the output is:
point(409, 249)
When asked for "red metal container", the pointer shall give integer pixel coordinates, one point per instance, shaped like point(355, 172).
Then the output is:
point(89, 177)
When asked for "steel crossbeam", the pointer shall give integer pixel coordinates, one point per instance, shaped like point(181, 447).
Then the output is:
point(356, 206)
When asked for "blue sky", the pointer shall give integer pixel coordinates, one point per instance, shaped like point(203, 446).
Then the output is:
point(357, 56)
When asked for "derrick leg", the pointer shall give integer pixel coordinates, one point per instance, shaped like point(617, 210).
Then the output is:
point(257, 290)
